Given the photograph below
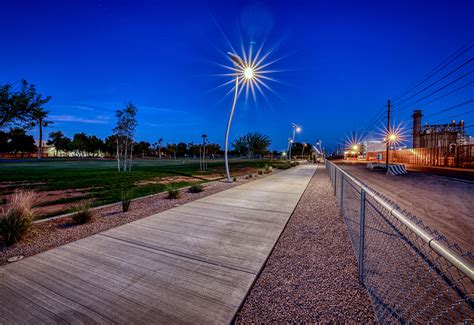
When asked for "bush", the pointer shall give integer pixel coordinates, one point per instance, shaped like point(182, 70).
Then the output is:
point(17, 221)
point(173, 194)
point(268, 169)
point(126, 200)
point(294, 163)
point(260, 172)
point(82, 213)
point(285, 165)
point(235, 179)
point(196, 188)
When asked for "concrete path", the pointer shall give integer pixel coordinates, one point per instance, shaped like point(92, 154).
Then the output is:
point(191, 264)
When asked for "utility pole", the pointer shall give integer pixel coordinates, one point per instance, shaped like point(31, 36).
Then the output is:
point(387, 135)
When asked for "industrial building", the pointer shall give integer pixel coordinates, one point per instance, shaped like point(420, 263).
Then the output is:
point(437, 135)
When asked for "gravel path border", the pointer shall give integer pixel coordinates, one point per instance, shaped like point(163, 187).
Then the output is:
point(311, 275)
point(61, 230)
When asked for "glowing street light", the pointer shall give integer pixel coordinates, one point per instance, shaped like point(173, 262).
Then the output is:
point(392, 138)
point(296, 129)
point(250, 72)
point(355, 147)
point(302, 150)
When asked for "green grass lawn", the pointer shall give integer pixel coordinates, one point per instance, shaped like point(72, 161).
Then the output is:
point(100, 180)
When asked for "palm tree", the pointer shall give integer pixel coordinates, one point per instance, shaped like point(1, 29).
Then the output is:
point(39, 116)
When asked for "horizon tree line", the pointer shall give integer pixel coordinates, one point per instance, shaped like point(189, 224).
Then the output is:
point(21, 109)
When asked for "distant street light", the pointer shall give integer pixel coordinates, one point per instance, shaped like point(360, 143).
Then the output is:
point(302, 150)
point(296, 129)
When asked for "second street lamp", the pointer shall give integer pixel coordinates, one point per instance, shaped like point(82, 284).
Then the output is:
point(296, 129)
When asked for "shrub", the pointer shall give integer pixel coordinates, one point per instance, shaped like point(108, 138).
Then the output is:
point(284, 165)
point(268, 169)
point(196, 188)
point(83, 213)
point(235, 179)
point(173, 194)
point(250, 175)
point(260, 172)
point(17, 221)
point(126, 200)
point(294, 163)
point(3, 201)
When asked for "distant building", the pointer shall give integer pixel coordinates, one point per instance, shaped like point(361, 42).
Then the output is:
point(437, 135)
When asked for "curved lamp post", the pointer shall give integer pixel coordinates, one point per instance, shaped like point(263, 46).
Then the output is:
point(246, 72)
point(296, 129)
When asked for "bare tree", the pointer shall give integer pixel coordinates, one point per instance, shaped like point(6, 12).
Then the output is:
point(125, 133)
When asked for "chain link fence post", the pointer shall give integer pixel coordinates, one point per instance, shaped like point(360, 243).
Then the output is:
point(341, 194)
point(362, 236)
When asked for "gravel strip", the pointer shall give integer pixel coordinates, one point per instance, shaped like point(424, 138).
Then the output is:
point(311, 274)
point(61, 231)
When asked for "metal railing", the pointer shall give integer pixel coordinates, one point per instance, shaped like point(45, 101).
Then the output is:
point(412, 273)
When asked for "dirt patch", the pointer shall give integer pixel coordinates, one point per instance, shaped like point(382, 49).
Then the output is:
point(165, 180)
point(442, 203)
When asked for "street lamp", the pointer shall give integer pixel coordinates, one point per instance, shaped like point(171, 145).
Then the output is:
point(302, 150)
point(296, 129)
point(242, 71)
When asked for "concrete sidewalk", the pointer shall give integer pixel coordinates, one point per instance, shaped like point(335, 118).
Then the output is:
point(191, 264)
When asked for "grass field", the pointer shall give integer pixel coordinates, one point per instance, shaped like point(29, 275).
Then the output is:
point(60, 184)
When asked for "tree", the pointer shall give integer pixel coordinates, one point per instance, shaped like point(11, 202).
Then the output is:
point(252, 144)
point(18, 106)
point(125, 133)
point(158, 146)
point(172, 148)
point(56, 139)
point(38, 118)
point(181, 149)
point(3, 142)
point(110, 145)
point(213, 149)
point(20, 142)
point(194, 149)
point(142, 148)
point(95, 145)
point(80, 144)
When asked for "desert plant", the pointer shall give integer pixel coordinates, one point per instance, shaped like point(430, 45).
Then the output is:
point(16, 222)
point(196, 188)
point(126, 197)
point(173, 194)
point(83, 213)
point(268, 169)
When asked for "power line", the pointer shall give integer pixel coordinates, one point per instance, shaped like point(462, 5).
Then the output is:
point(442, 78)
point(404, 107)
point(438, 68)
point(451, 108)
point(452, 116)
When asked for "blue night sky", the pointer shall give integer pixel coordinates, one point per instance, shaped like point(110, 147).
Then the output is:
point(340, 61)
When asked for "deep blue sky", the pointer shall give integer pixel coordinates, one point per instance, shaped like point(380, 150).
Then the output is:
point(342, 60)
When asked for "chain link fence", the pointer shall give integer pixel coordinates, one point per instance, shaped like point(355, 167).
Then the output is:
point(412, 273)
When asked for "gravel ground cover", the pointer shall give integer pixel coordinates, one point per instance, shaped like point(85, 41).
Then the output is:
point(311, 275)
point(58, 232)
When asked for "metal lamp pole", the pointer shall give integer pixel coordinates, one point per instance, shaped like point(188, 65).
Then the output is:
point(296, 128)
point(237, 62)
